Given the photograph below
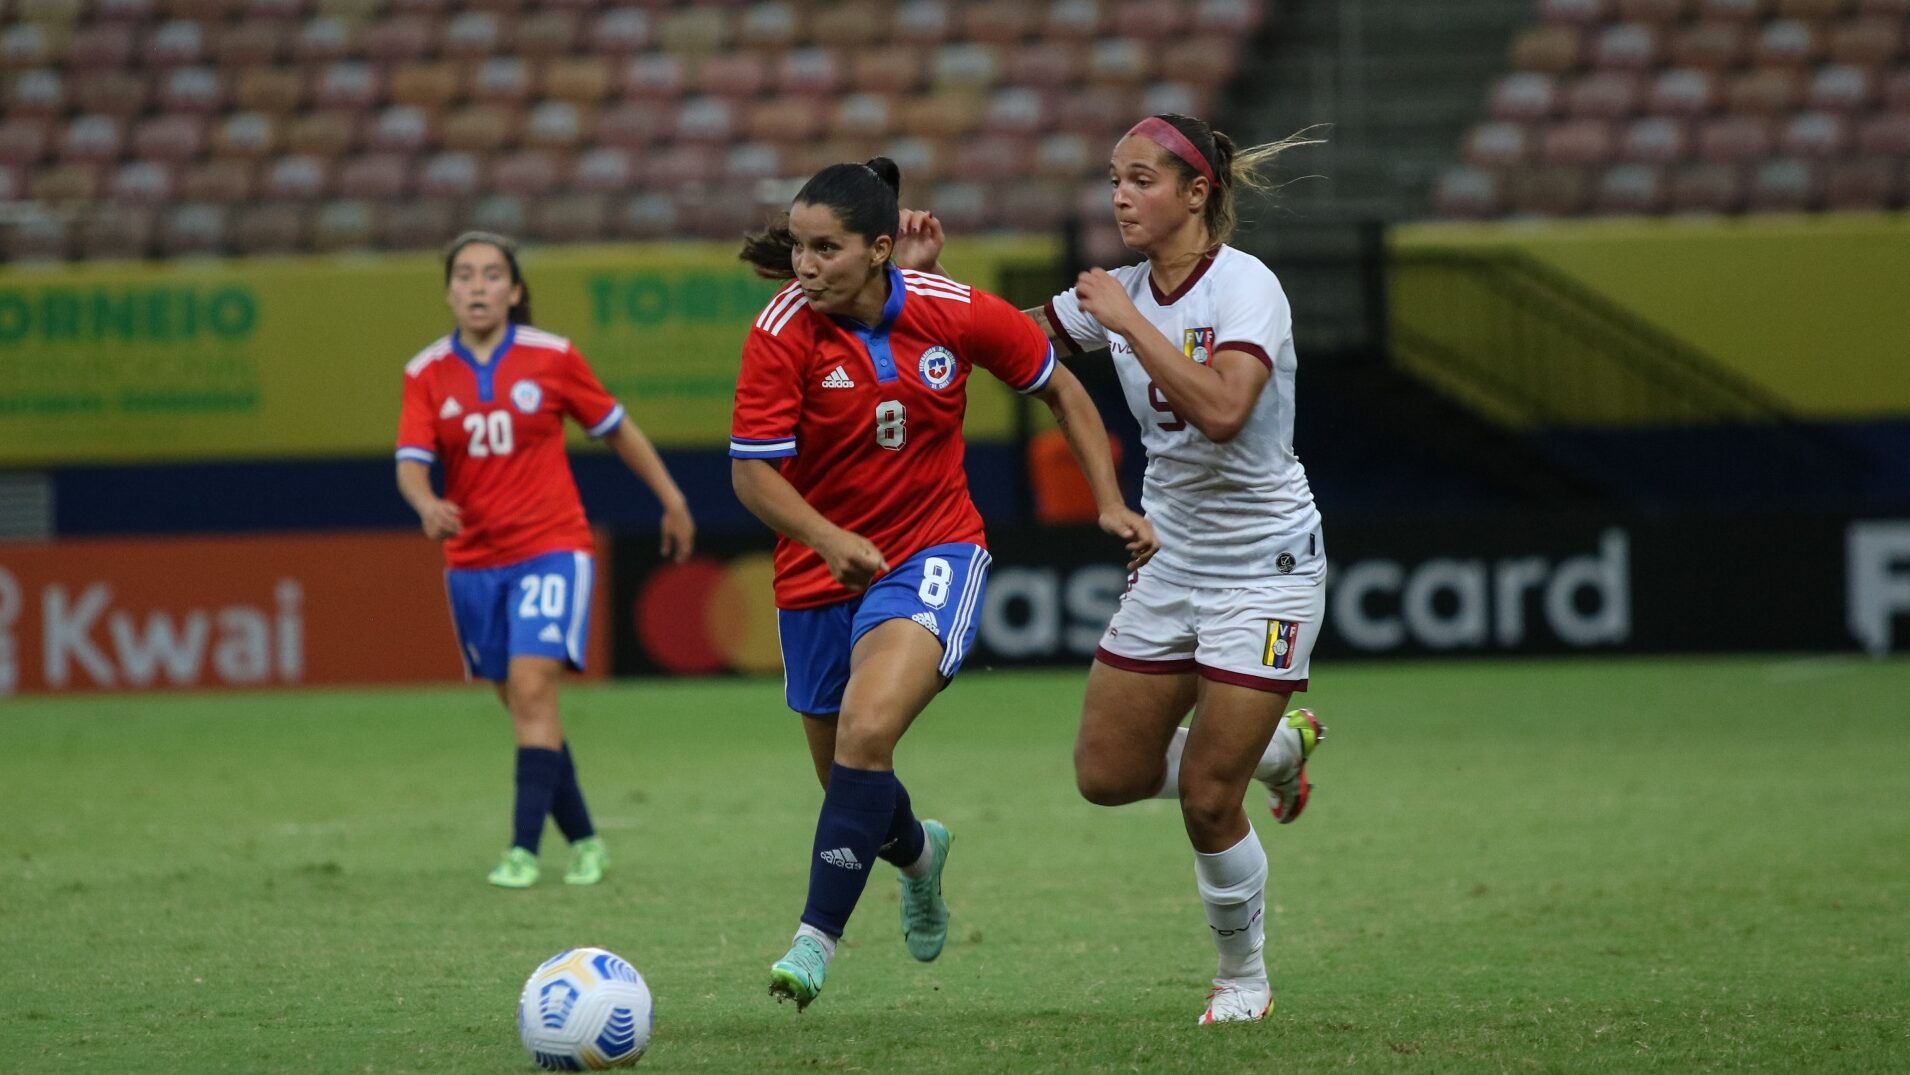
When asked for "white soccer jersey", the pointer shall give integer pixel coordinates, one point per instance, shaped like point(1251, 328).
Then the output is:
point(1229, 514)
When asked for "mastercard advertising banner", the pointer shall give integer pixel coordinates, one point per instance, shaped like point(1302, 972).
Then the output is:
point(230, 612)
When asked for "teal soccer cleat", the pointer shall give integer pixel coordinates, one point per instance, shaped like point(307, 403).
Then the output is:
point(798, 975)
point(924, 915)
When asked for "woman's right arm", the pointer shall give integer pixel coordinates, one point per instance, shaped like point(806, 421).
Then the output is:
point(853, 560)
point(440, 518)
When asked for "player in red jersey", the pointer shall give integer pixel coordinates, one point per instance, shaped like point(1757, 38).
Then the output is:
point(847, 440)
point(489, 402)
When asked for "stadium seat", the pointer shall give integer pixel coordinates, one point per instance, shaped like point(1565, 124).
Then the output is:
point(1067, 155)
point(603, 170)
point(192, 229)
point(992, 159)
point(1149, 20)
point(1551, 190)
point(1630, 189)
point(898, 70)
point(811, 71)
point(852, 25)
point(571, 218)
point(295, 178)
point(1031, 205)
point(1208, 61)
point(92, 138)
point(965, 67)
point(740, 74)
point(771, 24)
point(218, 182)
point(1073, 20)
point(1523, 97)
point(704, 120)
point(547, 35)
point(246, 135)
point(148, 183)
point(252, 43)
point(1886, 135)
point(1181, 97)
point(343, 224)
point(1867, 183)
point(1578, 141)
point(1788, 42)
point(38, 92)
point(170, 138)
point(430, 86)
point(1236, 19)
point(400, 129)
point(1866, 40)
point(621, 31)
point(1497, 144)
point(719, 211)
point(347, 84)
point(1099, 116)
point(268, 229)
point(750, 161)
point(650, 215)
point(100, 46)
point(122, 94)
point(1735, 139)
point(1683, 91)
point(1842, 87)
point(696, 30)
point(923, 22)
point(632, 125)
point(555, 125)
point(680, 166)
point(653, 75)
point(1606, 95)
point(1016, 110)
point(1118, 61)
point(1764, 91)
point(942, 115)
point(191, 89)
point(414, 224)
point(66, 184)
point(1707, 188)
point(375, 176)
point(1550, 50)
point(274, 91)
point(1044, 64)
point(480, 128)
point(116, 231)
point(471, 35)
point(1466, 192)
point(1819, 136)
point(1784, 186)
point(1896, 90)
point(1709, 46)
point(24, 140)
point(961, 206)
point(529, 173)
point(1003, 22)
point(862, 115)
point(324, 39)
point(582, 81)
point(502, 80)
point(1575, 12)
point(1627, 46)
point(325, 135)
point(921, 160)
point(450, 174)
point(174, 43)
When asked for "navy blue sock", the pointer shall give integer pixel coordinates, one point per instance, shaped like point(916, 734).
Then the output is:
point(567, 803)
point(903, 843)
point(856, 811)
point(537, 774)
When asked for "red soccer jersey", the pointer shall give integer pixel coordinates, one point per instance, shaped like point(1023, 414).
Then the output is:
point(499, 428)
point(870, 418)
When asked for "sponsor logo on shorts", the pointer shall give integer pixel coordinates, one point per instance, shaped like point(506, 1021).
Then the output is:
point(1283, 637)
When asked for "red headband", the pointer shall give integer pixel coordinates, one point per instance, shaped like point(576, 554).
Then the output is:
point(1168, 137)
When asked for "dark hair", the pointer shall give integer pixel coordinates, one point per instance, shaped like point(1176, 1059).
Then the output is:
point(521, 309)
point(867, 198)
point(1233, 167)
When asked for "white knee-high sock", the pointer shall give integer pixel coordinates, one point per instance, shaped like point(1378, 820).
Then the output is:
point(1283, 754)
point(1170, 788)
point(1233, 888)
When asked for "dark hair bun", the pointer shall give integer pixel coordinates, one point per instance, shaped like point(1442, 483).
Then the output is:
point(887, 171)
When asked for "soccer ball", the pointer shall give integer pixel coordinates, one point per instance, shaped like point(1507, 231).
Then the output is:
point(585, 1008)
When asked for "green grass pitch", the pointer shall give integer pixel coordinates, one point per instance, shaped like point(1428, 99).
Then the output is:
point(1616, 865)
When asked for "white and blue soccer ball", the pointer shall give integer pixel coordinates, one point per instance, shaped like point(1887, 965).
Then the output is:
point(585, 1009)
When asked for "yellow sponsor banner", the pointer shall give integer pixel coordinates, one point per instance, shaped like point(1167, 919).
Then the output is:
point(1810, 309)
point(303, 357)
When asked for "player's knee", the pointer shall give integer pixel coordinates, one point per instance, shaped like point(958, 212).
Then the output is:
point(864, 743)
point(1207, 809)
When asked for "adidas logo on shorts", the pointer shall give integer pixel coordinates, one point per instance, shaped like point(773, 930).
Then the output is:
point(842, 857)
point(838, 378)
point(550, 633)
point(927, 619)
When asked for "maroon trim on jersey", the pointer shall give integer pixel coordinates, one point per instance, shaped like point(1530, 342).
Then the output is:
point(1200, 269)
point(1054, 322)
point(1242, 679)
point(1253, 349)
point(1171, 666)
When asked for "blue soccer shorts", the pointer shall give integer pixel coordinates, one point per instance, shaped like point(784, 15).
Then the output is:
point(940, 588)
point(535, 608)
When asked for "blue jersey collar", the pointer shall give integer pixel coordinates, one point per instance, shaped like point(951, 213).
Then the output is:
point(485, 372)
point(876, 340)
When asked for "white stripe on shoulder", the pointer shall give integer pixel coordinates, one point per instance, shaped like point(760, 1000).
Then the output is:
point(438, 348)
point(916, 276)
point(537, 337)
point(775, 327)
point(779, 302)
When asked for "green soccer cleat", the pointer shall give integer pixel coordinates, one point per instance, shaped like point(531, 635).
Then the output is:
point(924, 915)
point(1288, 797)
point(798, 975)
point(518, 870)
point(588, 858)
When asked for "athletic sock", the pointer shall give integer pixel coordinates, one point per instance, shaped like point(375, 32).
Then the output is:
point(537, 776)
point(1285, 752)
point(567, 802)
point(905, 845)
point(1233, 888)
point(828, 943)
point(1170, 788)
point(856, 813)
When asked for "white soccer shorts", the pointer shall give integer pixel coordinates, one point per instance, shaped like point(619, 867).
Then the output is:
point(1257, 636)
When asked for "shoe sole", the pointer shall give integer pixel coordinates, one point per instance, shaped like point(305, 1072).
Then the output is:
point(783, 987)
point(1207, 1018)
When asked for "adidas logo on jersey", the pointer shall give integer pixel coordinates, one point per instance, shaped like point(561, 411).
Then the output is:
point(450, 409)
point(838, 378)
point(927, 619)
point(550, 633)
point(842, 857)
